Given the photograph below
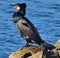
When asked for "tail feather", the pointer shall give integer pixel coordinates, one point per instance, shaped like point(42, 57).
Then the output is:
point(48, 46)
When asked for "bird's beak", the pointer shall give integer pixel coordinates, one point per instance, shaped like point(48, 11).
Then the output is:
point(12, 5)
point(15, 6)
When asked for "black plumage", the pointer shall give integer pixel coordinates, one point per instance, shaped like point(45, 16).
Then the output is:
point(26, 28)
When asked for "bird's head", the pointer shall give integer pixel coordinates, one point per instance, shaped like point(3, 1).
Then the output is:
point(19, 6)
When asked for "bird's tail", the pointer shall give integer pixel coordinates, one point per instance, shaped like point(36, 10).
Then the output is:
point(48, 46)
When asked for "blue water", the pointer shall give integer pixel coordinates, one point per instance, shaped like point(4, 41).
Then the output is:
point(44, 14)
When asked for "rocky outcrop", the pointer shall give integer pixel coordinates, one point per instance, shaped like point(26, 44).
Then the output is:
point(58, 46)
point(37, 52)
point(26, 52)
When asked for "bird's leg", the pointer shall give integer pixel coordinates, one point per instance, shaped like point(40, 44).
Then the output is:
point(27, 44)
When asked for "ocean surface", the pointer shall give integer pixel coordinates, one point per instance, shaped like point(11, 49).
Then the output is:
point(44, 14)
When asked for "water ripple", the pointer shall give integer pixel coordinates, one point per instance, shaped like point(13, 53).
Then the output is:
point(45, 17)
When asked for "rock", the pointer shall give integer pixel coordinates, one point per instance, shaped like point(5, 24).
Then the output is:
point(37, 52)
point(51, 54)
point(27, 51)
point(58, 46)
point(37, 55)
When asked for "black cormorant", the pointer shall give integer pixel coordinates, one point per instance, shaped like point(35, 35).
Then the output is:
point(26, 28)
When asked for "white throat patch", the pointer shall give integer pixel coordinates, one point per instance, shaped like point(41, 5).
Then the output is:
point(18, 8)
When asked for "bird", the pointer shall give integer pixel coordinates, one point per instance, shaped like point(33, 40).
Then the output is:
point(26, 28)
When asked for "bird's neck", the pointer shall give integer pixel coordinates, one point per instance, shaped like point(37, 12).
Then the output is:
point(18, 14)
point(23, 11)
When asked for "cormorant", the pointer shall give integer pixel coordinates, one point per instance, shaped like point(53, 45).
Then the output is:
point(26, 28)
